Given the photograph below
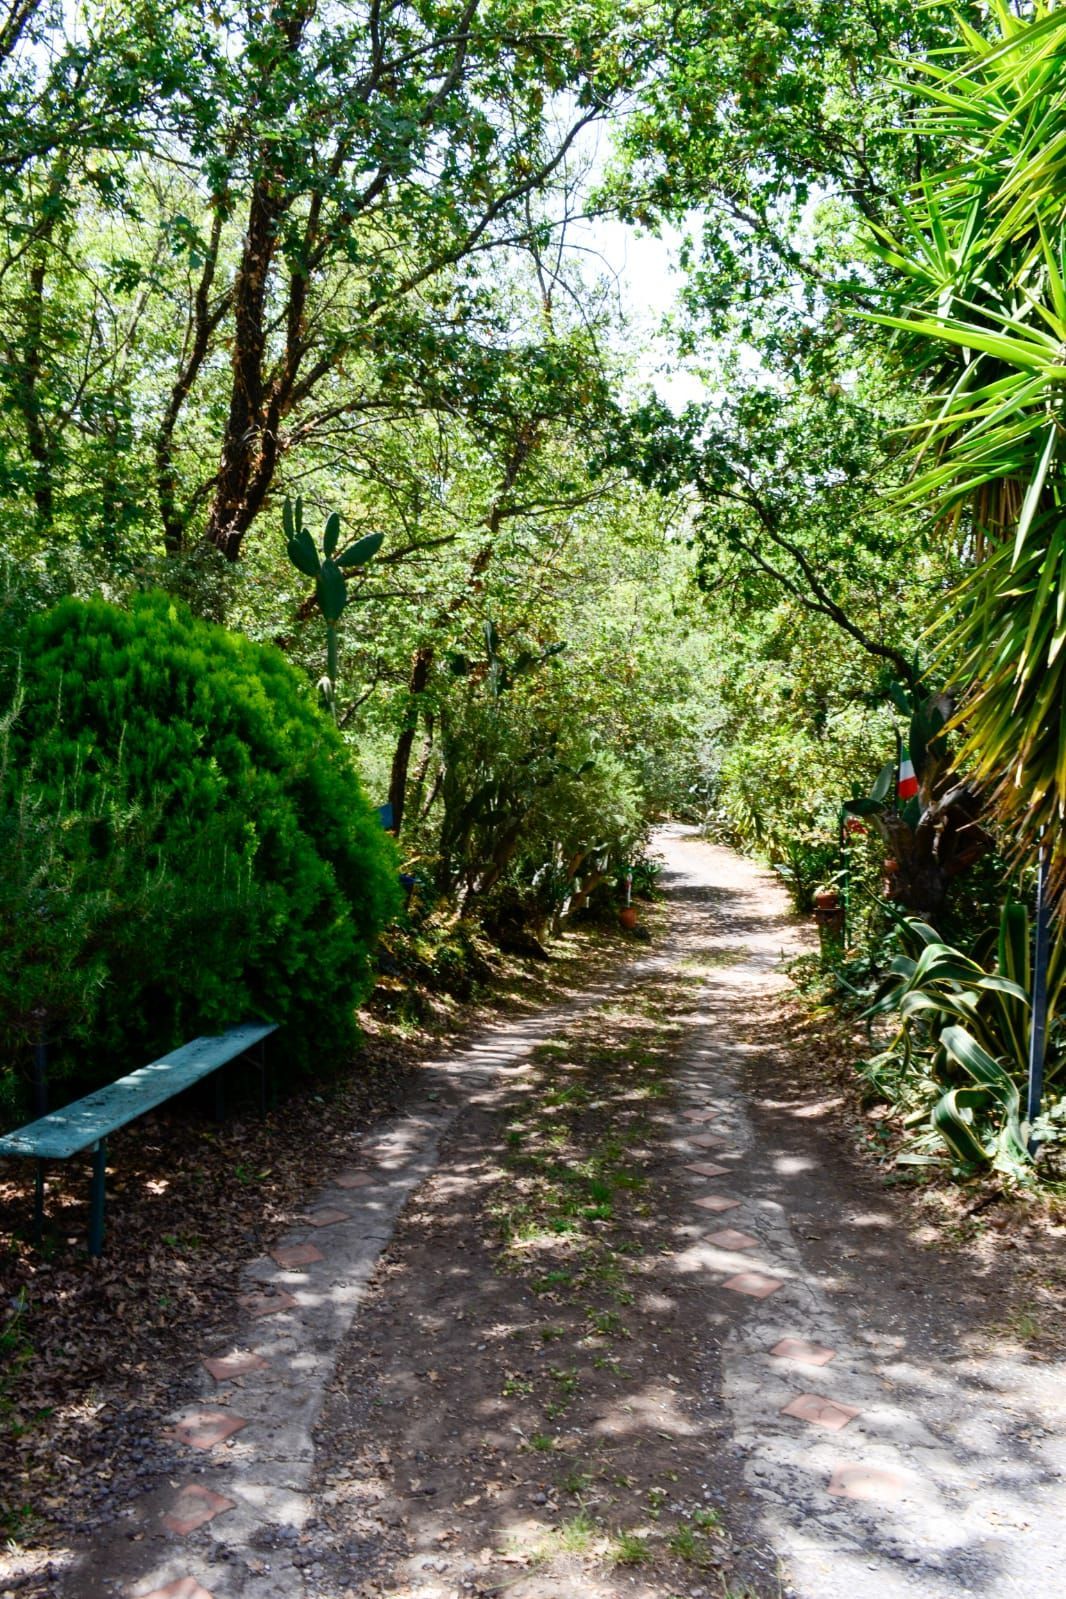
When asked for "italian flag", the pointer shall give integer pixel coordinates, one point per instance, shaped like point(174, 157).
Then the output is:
point(908, 783)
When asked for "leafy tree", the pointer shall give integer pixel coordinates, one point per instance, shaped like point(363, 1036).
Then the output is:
point(767, 129)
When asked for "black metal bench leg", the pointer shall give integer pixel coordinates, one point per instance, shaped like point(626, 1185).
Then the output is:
point(96, 1200)
point(38, 1206)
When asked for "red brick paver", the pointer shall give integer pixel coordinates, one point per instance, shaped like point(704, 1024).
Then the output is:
point(222, 1367)
point(706, 1168)
point(717, 1202)
point(819, 1411)
point(203, 1429)
point(327, 1216)
point(296, 1255)
point(194, 1506)
point(804, 1351)
point(754, 1283)
point(866, 1482)
point(183, 1588)
point(708, 1140)
point(701, 1115)
point(730, 1238)
point(265, 1303)
point(353, 1179)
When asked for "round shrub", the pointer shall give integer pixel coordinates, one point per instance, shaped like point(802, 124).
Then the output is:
point(255, 877)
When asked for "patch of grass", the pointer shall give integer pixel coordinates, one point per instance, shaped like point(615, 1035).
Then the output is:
point(552, 1281)
point(575, 1536)
point(246, 1176)
point(685, 1544)
point(606, 1363)
point(657, 1498)
point(608, 1322)
point(569, 1381)
point(706, 1520)
point(575, 1483)
point(189, 1242)
point(572, 1537)
point(630, 1549)
point(553, 1052)
point(517, 1388)
point(543, 1442)
point(1023, 1326)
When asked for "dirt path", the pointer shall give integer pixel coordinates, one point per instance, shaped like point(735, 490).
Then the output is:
point(540, 1338)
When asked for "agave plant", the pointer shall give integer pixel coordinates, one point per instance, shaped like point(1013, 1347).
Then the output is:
point(963, 1038)
point(982, 255)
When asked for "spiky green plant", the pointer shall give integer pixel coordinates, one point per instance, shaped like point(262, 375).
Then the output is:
point(327, 569)
point(982, 252)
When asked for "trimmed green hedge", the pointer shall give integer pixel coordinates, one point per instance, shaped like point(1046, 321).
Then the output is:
point(186, 808)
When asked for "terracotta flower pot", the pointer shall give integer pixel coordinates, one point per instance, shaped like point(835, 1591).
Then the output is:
point(628, 916)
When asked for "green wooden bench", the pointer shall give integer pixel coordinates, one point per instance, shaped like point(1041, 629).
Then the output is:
point(87, 1122)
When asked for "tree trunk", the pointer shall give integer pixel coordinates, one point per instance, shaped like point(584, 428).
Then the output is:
point(401, 760)
point(947, 841)
point(204, 322)
point(246, 442)
point(29, 393)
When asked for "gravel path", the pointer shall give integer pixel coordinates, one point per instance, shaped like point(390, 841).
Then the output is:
point(793, 1359)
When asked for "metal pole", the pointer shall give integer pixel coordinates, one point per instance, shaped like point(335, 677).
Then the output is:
point(96, 1199)
point(1038, 1025)
point(899, 765)
point(38, 1204)
point(845, 852)
point(40, 1108)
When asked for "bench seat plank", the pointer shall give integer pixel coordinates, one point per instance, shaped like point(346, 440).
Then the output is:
point(82, 1124)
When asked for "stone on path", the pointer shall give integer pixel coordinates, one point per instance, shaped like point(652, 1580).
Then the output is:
point(326, 1216)
point(296, 1255)
point(730, 1238)
point(867, 1483)
point(757, 1284)
point(267, 1303)
point(223, 1367)
point(183, 1588)
point(194, 1506)
point(203, 1429)
point(820, 1412)
point(802, 1350)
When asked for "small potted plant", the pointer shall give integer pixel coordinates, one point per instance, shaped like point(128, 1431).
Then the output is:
point(828, 911)
point(627, 915)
